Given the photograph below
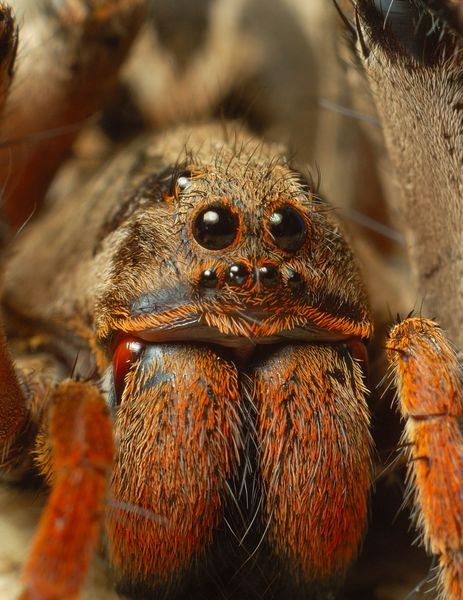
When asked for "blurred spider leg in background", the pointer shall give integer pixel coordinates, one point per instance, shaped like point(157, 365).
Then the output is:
point(69, 59)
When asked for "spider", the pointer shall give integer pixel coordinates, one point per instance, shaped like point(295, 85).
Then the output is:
point(185, 356)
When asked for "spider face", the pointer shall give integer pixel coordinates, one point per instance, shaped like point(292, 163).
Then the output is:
point(188, 325)
point(217, 285)
point(249, 256)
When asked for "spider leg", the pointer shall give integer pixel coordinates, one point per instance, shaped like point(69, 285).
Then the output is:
point(78, 461)
point(8, 47)
point(70, 57)
point(26, 385)
point(313, 429)
point(64, 430)
point(431, 402)
point(13, 407)
point(414, 60)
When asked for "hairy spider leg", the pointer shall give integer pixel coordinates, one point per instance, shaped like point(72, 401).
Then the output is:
point(430, 399)
point(76, 454)
point(78, 48)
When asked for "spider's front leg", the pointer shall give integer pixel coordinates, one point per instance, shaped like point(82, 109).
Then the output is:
point(431, 402)
point(75, 451)
point(67, 428)
point(313, 430)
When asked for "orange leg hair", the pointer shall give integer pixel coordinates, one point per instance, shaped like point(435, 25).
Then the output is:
point(74, 450)
point(313, 428)
point(81, 458)
point(431, 401)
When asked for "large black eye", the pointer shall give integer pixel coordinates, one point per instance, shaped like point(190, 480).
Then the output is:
point(215, 227)
point(288, 229)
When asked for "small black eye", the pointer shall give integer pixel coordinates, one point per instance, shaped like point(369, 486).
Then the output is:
point(269, 276)
point(209, 279)
point(181, 180)
point(237, 274)
point(215, 227)
point(288, 229)
point(295, 281)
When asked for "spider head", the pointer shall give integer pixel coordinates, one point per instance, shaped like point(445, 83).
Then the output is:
point(236, 252)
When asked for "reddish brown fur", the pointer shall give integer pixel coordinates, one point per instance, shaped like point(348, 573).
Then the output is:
point(12, 402)
point(124, 262)
point(316, 494)
point(82, 453)
point(431, 401)
point(178, 444)
point(92, 40)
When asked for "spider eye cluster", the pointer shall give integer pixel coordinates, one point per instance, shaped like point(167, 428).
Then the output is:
point(216, 227)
